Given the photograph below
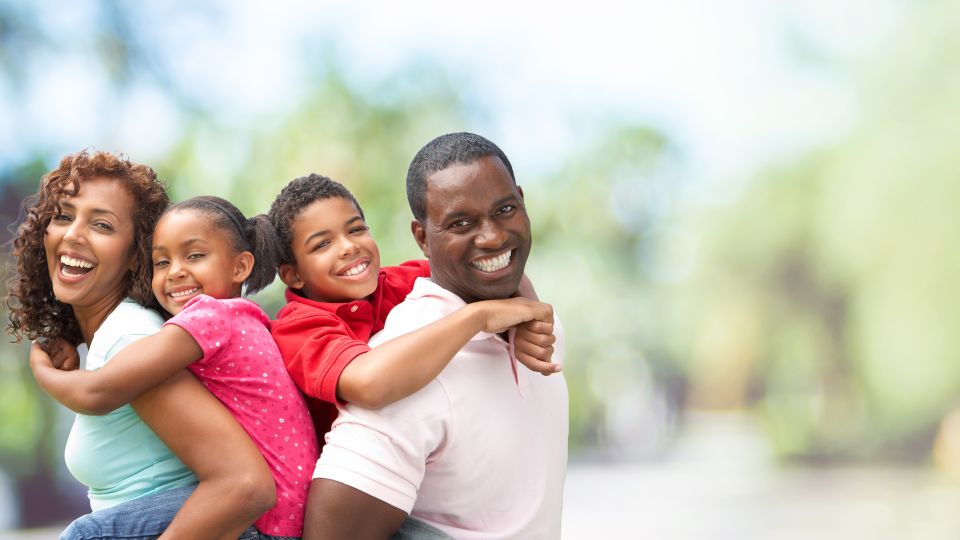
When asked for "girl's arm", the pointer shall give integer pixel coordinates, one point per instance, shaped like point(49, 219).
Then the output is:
point(236, 486)
point(140, 366)
point(403, 365)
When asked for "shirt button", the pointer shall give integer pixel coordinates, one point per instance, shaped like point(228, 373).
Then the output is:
point(353, 308)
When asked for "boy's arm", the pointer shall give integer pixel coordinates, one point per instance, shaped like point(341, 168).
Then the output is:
point(140, 366)
point(403, 365)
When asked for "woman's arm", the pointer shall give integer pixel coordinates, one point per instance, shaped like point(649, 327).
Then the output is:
point(401, 366)
point(236, 486)
point(138, 367)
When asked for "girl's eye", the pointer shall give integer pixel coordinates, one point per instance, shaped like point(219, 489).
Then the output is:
point(160, 263)
point(194, 256)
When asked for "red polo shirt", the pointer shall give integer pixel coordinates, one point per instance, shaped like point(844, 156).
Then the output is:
point(318, 339)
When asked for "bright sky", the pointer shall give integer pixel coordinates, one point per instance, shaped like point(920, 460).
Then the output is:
point(735, 84)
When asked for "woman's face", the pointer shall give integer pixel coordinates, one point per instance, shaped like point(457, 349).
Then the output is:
point(90, 245)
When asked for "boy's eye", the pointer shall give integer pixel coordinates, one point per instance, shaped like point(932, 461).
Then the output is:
point(321, 244)
point(359, 229)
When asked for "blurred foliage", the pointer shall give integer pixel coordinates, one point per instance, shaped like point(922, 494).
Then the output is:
point(821, 298)
point(825, 294)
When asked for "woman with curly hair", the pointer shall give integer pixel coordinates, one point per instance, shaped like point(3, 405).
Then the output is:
point(83, 275)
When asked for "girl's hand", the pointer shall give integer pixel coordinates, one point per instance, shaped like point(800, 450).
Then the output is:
point(57, 353)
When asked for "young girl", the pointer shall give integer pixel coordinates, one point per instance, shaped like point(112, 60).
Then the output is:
point(205, 253)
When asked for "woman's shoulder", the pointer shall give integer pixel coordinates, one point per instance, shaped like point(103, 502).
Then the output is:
point(127, 322)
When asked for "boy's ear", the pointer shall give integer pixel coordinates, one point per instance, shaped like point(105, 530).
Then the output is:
point(242, 266)
point(290, 276)
point(420, 236)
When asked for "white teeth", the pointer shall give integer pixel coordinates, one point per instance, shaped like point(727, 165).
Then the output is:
point(78, 263)
point(493, 264)
point(356, 269)
point(181, 294)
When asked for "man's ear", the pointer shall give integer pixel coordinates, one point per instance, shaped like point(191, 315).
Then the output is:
point(520, 189)
point(420, 236)
point(242, 266)
point(290, 276)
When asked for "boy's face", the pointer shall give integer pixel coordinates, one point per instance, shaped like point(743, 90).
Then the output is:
point(335, 257)
point(476, 232)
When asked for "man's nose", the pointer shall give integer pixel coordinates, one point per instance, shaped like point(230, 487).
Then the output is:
point(490, 235)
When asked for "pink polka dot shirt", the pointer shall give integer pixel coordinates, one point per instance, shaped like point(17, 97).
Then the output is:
point(242, 367)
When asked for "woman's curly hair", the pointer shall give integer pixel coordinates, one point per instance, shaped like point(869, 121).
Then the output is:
point(34, 311)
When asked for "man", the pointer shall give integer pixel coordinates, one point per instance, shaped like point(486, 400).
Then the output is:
point(481, 451)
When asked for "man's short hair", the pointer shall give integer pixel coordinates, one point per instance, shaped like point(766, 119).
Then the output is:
point(440, 153)
point(297, 195)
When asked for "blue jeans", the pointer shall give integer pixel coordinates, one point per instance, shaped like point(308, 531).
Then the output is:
point(144, 518)
point(414, 529)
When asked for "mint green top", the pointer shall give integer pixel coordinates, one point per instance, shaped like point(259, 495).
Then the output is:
point(116, 455)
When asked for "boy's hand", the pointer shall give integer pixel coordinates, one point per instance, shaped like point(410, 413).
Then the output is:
point(533, 347)
point(501, 315)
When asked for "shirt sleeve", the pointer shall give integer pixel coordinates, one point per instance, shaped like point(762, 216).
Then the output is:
point(384, 452)
point(316, 347)
point(208, 322)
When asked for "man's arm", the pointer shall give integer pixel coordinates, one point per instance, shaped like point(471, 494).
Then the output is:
point(337, 511)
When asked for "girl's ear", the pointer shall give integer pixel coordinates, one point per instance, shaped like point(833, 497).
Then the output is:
point(242, 266)
point(290, 276)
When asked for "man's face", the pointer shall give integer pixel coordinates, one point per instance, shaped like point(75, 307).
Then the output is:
point(476, 232)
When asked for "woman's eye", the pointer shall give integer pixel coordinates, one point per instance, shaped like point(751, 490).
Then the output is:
point(103, 226)
point(61, 217)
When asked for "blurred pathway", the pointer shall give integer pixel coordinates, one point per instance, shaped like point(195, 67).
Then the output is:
point(720, 483)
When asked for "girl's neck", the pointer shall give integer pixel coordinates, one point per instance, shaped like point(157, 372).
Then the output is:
point(89, 318)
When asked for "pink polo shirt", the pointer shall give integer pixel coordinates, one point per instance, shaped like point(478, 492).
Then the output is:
point(480, 452)
point(241, 366)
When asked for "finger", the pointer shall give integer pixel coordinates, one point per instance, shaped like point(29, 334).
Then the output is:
point(540, 340)
point(539, 366)
point(539, 327)
point(542, 354)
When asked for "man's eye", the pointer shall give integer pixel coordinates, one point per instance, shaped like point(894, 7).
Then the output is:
point(459, 224)
point(506, 208)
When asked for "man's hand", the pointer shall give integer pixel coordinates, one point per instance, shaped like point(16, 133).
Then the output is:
point(501, 315)
point(533, 347)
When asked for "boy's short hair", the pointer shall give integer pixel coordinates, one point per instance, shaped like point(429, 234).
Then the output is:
point(297, 195)
point(440, 153)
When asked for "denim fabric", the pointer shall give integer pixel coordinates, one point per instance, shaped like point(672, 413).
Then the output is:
point(252, 533)
point(143, 518)
point(414, 529)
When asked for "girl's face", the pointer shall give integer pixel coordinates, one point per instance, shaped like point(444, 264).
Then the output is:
point(193, 256)
point(89, 245)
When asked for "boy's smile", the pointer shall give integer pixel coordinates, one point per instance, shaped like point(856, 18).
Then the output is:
point(335, 257)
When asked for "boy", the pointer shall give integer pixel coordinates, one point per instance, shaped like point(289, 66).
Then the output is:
point(338, 297)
